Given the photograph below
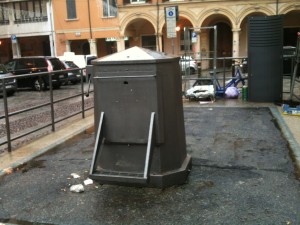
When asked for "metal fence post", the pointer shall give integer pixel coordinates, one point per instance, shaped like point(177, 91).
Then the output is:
point(51, 102)
point(82, 92)
point(224, 71)
point(7, 125)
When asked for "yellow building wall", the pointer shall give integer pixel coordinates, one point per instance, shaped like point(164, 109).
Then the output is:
point(89, 24)
point(136, 20)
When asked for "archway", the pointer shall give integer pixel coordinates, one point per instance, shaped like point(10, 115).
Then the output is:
point(224, 38)
point(175, 46)
point(80, 47)
point(140, 32)
point(291, 26)
point(244, 34)
point(86, 48)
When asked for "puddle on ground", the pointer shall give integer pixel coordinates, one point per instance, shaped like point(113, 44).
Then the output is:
point(31, 165)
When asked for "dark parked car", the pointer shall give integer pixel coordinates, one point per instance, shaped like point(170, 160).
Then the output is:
point(37, 64)
point(74, 76)
point(10, 83)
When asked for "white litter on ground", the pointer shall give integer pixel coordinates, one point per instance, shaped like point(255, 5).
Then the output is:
point(75, 175)
point(88, 181)
point(77, 188)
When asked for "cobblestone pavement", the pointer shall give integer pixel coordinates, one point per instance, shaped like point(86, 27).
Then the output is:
point(34, 119)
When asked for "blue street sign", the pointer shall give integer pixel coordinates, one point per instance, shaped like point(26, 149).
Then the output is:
point(13, 38)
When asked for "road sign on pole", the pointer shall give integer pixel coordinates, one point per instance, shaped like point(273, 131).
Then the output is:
point(171, 21)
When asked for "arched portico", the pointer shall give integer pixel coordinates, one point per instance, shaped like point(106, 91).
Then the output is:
point(175, 46)
point(291, 24)
point(231, 22)
point(243, 36)
point(138, 32)
point(224, 37)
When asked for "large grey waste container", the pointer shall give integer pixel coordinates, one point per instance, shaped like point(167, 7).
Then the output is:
point(140, 136)
point(265, 40)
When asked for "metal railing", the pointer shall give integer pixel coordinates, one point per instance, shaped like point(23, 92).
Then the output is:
point(31, 19)
point(7, 115)
point(224, 71)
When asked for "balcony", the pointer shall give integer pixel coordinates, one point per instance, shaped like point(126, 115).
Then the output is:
point(31, 19)
point(4, 22)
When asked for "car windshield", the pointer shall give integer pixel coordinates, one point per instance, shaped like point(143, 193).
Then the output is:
point(71, 64)
point(56, 63)
point(3, 69)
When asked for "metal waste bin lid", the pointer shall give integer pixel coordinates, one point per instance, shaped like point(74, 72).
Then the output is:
point(134, 55)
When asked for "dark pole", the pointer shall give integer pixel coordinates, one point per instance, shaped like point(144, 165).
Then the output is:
point(157, 26)
point(277, 1)
point(6, 115)
point(89, 14)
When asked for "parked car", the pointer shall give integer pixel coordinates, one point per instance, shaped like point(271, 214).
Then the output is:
point(74, 76)
point(37, 64)
point(86, 73)
point(188, 65)
point(80, 60)
point(10, 83)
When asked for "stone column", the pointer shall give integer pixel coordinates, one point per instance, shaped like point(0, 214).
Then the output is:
point(16, 49)
point(197, 45)
point(236, 42)
point(205, 49)
point(120, 44)
point(93, 47)
point(160, 41)
point(68, 45)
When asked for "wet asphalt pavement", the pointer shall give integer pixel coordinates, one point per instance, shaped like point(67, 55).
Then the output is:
point(242, 174)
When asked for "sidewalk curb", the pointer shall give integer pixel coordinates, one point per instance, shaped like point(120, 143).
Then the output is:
point(294, 146)
point(36, 148)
